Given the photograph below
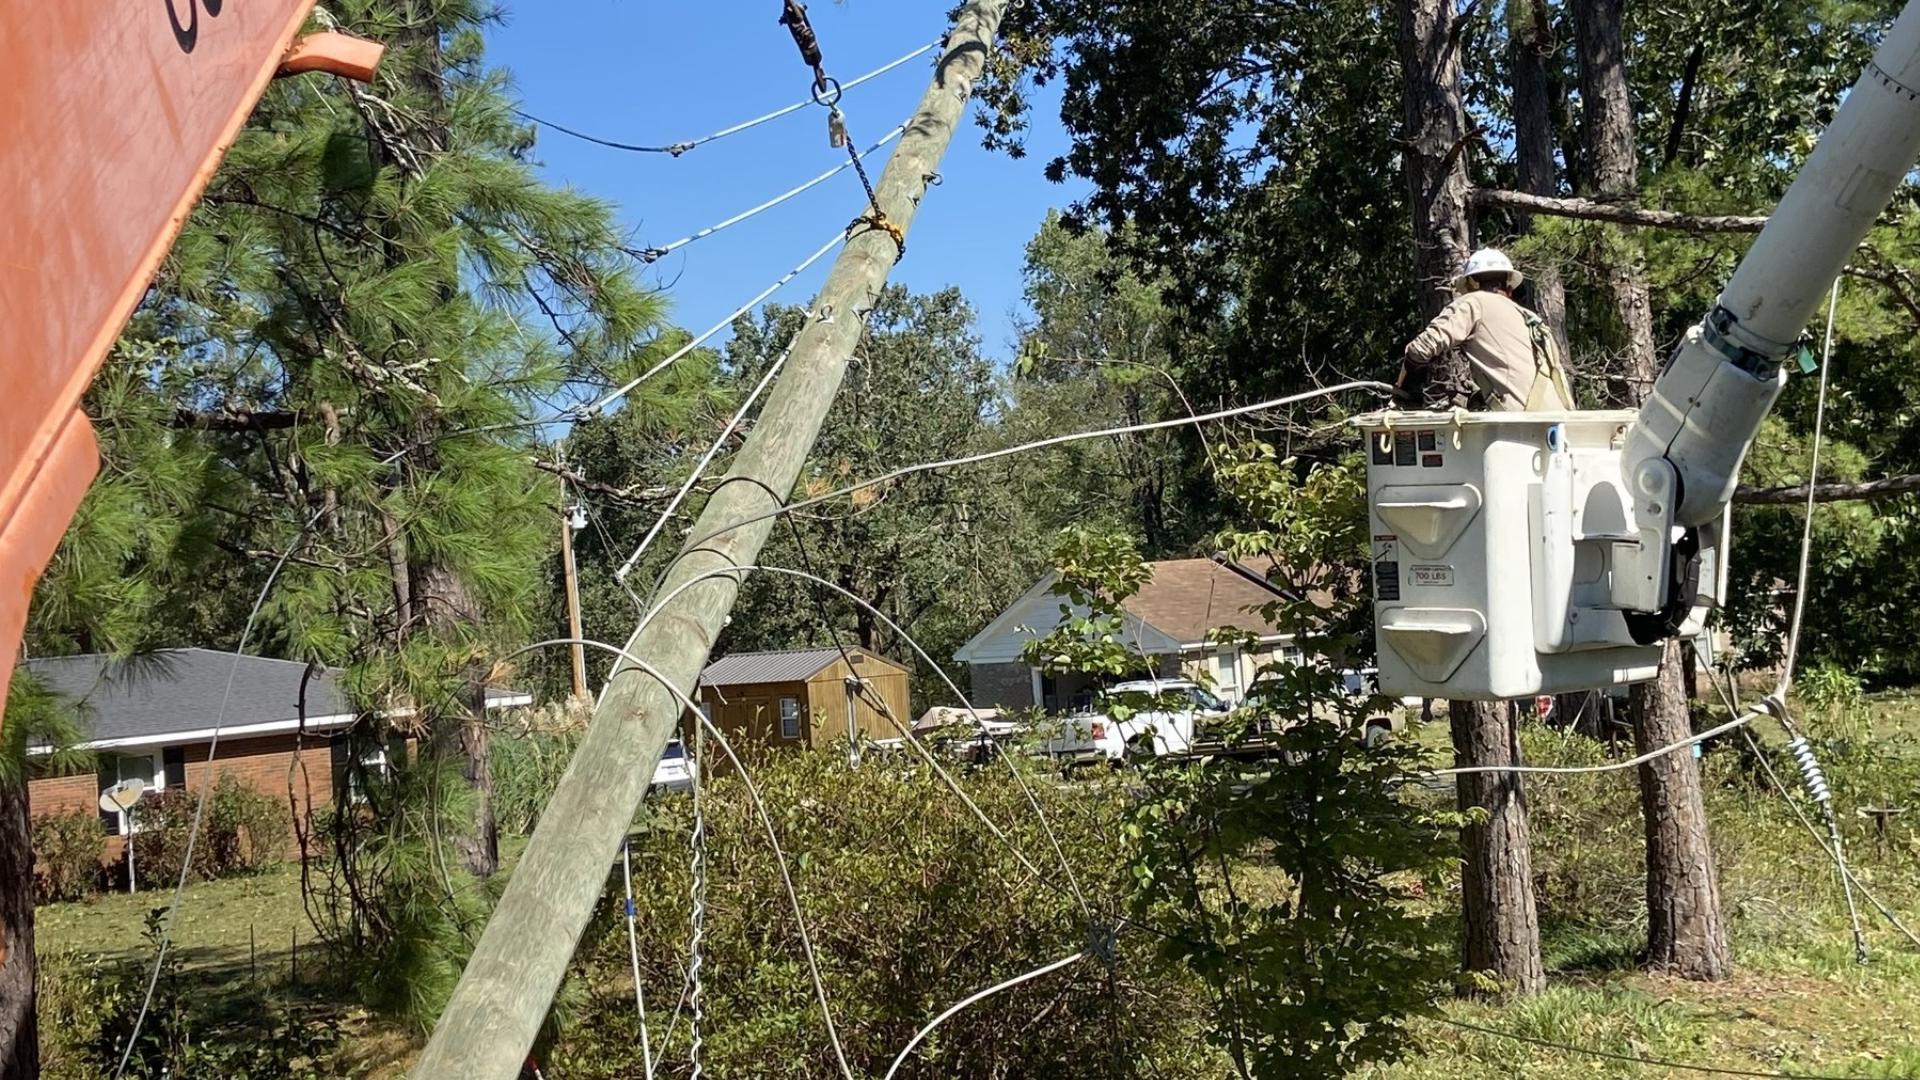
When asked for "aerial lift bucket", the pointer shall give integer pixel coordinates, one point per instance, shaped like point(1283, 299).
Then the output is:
point(117, 114)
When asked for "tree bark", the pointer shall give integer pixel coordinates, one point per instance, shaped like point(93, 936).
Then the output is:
point(19, 1005)
point(1686, 934)
point(1530, 42)
point(459, 735)
point(1501, 927)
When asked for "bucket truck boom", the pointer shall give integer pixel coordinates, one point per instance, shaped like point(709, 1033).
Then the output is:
point(1527, 553)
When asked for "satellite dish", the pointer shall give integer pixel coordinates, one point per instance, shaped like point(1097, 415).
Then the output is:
point(120, 797)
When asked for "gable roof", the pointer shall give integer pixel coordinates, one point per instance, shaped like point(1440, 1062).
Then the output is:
point(785, 665)
point(1186, 599)
point(176, 695)
point(1179, 605)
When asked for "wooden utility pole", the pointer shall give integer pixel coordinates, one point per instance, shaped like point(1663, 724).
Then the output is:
point(508, 987)
point(572, 578)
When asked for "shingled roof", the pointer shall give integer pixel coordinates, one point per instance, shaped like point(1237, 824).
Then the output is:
point(178, 694)
point(787, 665)
point(1188, 598)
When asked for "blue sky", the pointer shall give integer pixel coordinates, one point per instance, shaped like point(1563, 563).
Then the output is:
point(655, 73)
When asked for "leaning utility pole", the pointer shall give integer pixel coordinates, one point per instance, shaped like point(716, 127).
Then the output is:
point(508, 987)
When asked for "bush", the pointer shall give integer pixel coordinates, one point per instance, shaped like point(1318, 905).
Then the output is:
point(526, 769)
point(66, 849)
point(912, 906)
point(244, 830)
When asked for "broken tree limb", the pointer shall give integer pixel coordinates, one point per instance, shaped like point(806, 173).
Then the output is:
point(1884, 488)
point(1618, 213)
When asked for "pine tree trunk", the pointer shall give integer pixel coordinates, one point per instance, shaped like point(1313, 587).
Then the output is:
point(1502, 929)
point(1686, 934)
point(442, 602)
point(19, 1019)
point(1530, 40)
point(1435, 147)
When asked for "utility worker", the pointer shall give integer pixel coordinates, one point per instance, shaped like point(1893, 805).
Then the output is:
point(1509, 349)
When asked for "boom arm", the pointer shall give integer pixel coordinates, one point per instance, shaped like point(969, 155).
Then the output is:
point(1686, 448)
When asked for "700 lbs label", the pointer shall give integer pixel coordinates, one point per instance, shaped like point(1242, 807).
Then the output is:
point(1430, 577)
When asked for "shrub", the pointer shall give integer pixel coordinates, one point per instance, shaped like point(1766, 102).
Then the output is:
point(66, 850)
point(244, 830)
point(526, 768)
point(912, 906)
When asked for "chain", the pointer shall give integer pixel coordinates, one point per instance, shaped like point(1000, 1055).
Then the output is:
point(826, 92)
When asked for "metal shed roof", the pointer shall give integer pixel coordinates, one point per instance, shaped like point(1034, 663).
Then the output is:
point(790, 665)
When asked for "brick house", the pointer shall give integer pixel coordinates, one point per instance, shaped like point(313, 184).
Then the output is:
point(152, 717)
point(1173, 619)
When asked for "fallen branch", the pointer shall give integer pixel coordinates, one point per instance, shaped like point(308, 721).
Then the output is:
point(1886, 488)
point(633, 493)
point(232, 420)
point(1616, 213)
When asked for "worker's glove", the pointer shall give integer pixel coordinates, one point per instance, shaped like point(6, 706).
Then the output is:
point(1410, 390)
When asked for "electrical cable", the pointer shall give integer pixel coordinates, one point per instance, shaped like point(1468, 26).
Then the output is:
point(627, 387)
point(1813, 477)
point(1717, 1070)
point(200, 806)
point(633, 953)
point(1032, 800)
point(1041, 444)
point(697, 892)
point(1614, 766)
point(678, 148)
point(1729, 697)
point(706, 459)
point(654, 254)
point(972, 999)
point(760, 807)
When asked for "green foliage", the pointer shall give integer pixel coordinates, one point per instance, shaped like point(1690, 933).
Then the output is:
point(242, 831)
point(40, 721)
point(66, 852)
point(1097, 572)
point(912, 906)
point(96, 1007)
point(526, 769)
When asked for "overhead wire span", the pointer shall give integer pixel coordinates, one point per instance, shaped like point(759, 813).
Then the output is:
point(1033, 801)
point(653, 254)
point(1612, 766)
point(1041, 444)
point(972, 999)
point(1729, 698)
point(633, 954)
point(706, 459)
point(692, 708)
point(628, 387)
point(206, 791)
point(677, 148)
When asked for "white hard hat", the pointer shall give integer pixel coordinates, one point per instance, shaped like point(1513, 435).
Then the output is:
point(1487, 261)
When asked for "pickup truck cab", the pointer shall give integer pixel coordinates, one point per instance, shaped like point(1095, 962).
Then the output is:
point(1167, 709)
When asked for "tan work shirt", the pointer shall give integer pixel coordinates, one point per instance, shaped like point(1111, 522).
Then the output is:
point(1492, 330)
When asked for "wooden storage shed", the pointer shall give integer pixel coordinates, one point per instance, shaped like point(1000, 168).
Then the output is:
point(804, 697)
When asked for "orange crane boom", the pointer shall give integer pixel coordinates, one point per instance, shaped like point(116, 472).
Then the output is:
point(116, 115)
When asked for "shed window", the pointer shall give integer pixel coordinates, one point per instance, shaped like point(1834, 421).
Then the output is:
point(789, 718)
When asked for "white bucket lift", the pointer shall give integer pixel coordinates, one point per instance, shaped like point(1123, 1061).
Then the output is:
point(1507, 554)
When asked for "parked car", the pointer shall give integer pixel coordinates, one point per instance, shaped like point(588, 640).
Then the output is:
point(1364, 683)
point(675, 771)
point(1168, 710)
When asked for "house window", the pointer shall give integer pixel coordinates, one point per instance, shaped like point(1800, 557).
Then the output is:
point(112, 769)
point(1226, 675)
point(1292, 654)
point(789, 718)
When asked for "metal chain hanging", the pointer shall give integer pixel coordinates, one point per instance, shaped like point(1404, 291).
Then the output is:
point(826, 93)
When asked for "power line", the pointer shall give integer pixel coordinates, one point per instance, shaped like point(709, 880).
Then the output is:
point(976, 997)
point(1613, 766)
point(653, 254)
point(626, 388)
point(678, 148)
point(1041, 444)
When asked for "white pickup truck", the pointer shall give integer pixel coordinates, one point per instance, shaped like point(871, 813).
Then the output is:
point(1169, 709)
